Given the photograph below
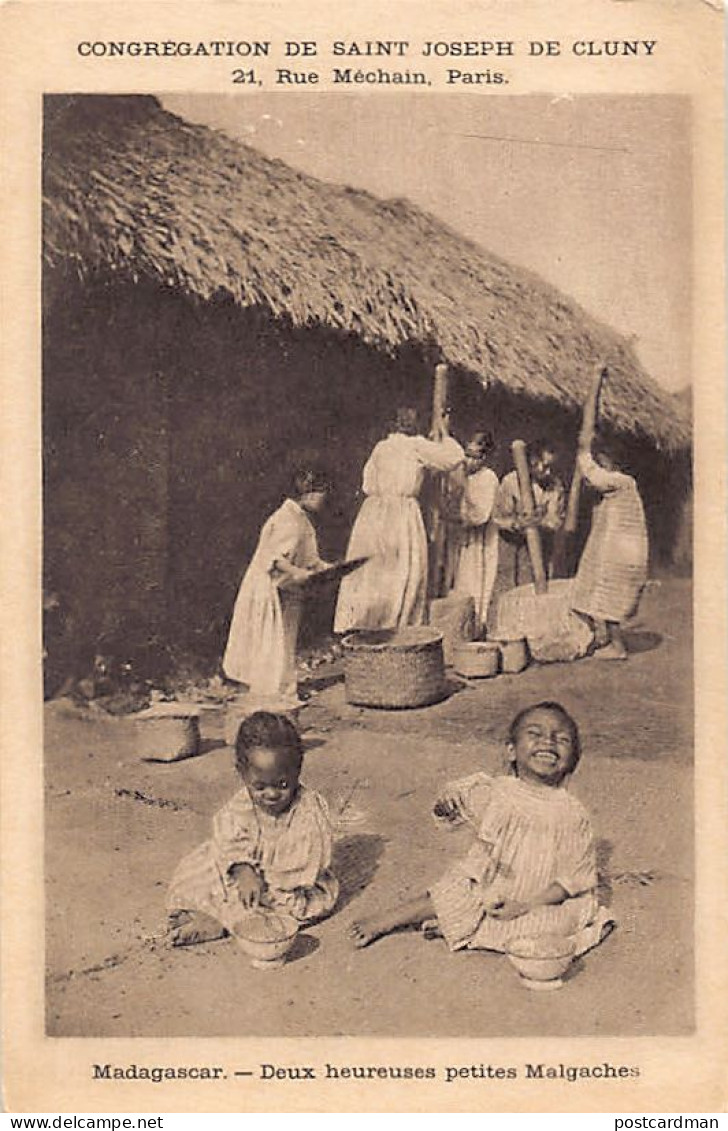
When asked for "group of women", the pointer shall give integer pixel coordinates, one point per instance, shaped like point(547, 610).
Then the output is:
point(487, 554)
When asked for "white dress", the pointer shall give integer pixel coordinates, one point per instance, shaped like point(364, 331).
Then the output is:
point(477, 554)
point(527, 838)
point(261, 647)
point(390, 591)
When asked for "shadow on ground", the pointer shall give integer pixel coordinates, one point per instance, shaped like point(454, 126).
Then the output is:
point(642, 641)
point(355, 862)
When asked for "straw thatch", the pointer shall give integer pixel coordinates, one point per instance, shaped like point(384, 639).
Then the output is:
point(135, 192)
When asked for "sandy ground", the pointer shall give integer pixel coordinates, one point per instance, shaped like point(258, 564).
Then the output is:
point(116, 827)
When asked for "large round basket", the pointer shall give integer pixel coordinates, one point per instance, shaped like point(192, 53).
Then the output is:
point(394, 669)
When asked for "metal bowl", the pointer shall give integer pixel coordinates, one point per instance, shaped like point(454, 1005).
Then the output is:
point(541, 962)
point(265, 936)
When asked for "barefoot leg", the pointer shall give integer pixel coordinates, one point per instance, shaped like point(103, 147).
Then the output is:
point(616, 649)
point(409, 914)
point(188, 928)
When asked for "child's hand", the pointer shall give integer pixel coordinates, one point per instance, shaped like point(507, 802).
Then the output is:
point(450, 806)
point(506, 908)
point(248, 883)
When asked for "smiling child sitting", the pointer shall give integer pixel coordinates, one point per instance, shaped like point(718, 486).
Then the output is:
point(531, 870)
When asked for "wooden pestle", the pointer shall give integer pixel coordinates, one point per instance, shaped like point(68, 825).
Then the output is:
point(528, 505)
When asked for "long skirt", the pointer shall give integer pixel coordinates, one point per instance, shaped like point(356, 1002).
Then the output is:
point(613, 570)
point(477, 565)
point(261, 647)
point(390, 591)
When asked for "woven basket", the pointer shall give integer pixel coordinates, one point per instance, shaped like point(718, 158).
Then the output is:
point(477, 659)
point(395, 669)
point(167, 738)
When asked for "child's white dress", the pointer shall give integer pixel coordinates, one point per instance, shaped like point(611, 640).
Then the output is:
point(477, 557)
point(261, 647)
point(292, 851)
point(528, 837)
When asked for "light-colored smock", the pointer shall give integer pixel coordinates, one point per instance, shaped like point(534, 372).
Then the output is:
point(477, 542)
point(613, 567)
point(291, 851)
point(528, 837)
point(261, 647)
point(508, 506)
point(390, 591)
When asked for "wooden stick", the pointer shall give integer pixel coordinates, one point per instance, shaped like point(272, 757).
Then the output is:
point(438, 526)
point(439, 398)
point(528, 505)
point(591, 409)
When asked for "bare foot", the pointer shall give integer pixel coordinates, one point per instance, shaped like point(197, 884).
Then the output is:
point(611, 652)
point(366, 931)
point(431, 930)
point(188, 928)
point(362, 932)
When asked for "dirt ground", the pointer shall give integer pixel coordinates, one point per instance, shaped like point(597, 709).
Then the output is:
point(116, 827)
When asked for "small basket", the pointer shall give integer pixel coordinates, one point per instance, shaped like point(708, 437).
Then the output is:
point(167, 738)
point(514, 655)
point(477, 659)
point(394, 669)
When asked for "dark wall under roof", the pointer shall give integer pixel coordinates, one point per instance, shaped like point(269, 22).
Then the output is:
point(171, 428)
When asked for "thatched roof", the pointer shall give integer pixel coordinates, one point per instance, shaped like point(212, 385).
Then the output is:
point(132, 189)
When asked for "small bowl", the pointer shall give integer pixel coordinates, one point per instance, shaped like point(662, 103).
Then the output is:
point(514, 654)
point(477, 659)
point(266, 937)
point(541, 961)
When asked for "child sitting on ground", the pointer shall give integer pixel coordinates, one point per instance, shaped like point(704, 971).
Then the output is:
point(270, 846)
point(531, 869)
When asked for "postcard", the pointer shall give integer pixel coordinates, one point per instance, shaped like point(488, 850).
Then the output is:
point(364, 650)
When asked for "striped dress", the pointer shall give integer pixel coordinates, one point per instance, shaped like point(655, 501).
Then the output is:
point(613, 567)
point(292, 852)
point(528, 837)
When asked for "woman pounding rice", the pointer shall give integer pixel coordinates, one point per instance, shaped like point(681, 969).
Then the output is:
point(613, 567)
point(390, 590)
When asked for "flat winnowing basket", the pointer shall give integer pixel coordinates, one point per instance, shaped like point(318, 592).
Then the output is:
point(394, 669)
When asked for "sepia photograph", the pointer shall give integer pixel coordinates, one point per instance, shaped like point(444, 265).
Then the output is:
point(367, 507)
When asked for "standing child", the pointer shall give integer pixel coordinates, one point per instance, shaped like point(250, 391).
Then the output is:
point(531, 870)
point(261, 647)
point(476, 534)
point(270, 845)
point(613, 567)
